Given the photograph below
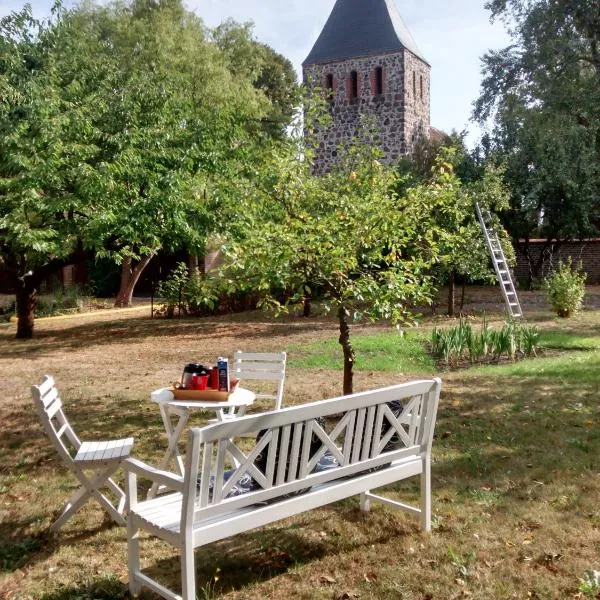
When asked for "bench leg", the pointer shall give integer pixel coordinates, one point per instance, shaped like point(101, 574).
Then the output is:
point(365, 503)
point(133, 553)
point(188, 572)
point(426, 495)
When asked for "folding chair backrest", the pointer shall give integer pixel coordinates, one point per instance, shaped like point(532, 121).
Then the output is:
point(262, 366)
point(50, 411)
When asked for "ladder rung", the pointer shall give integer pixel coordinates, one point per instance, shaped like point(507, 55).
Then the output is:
point(513, 304)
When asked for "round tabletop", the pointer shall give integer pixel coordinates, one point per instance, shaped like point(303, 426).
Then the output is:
point(239, 397)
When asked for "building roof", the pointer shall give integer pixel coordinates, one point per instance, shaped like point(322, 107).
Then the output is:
point(362, 28)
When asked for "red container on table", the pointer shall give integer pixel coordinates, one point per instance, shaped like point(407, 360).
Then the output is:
point(213, 381)
point(199, 382)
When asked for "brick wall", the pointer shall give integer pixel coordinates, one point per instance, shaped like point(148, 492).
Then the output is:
point(586, 251)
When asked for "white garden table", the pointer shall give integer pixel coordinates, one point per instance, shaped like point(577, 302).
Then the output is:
point(235, 406)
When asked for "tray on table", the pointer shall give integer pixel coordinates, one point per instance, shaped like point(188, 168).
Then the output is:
point(204, 395)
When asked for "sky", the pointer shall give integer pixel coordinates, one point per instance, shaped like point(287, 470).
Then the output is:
point(451, 34)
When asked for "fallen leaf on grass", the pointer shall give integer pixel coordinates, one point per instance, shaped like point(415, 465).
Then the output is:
point(370, 577)
point(328, 579)
point(527, 540)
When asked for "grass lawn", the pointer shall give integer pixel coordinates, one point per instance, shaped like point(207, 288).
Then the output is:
point(516, 477)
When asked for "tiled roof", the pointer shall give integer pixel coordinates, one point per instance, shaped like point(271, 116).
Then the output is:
point(362, 28)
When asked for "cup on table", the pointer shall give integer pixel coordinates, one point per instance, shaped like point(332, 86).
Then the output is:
point(199, 382)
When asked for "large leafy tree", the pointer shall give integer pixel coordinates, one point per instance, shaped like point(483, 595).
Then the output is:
point(543, 93)
point(270, 72)
point(114, 121)
point(43, 207)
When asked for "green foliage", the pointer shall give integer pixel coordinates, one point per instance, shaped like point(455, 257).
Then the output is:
point(542, 92)
point(565, 287)
point(171, 290)
point(462, 250)
point(196, 294)
point(117, 124)
point(514, 340)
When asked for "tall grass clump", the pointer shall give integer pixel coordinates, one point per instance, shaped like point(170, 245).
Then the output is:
point(461, 343)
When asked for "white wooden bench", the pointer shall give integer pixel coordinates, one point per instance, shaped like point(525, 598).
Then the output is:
point(356, 435)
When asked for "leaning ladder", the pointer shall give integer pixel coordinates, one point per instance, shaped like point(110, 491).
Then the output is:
point(500, 265)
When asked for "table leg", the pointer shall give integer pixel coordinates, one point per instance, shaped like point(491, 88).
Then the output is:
point(173, 436)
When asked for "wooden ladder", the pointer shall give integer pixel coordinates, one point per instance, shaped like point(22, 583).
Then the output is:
point(500, 265)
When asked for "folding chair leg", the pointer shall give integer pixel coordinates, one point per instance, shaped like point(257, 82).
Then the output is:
point(75, 502)
point(119, 493)
point(89, 489)
point(93, 486)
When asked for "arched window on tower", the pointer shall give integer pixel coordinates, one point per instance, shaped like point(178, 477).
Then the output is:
point(414, 85)
point(421, 85)
point(353, 85)
point(377, 82)
point(329, 88)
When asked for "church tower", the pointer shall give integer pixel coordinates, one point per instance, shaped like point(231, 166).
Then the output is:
point(368, 64)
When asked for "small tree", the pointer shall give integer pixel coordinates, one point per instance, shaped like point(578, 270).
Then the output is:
point(368, 251)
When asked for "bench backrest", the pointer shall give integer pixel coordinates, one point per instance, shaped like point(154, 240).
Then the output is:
point(358, 431)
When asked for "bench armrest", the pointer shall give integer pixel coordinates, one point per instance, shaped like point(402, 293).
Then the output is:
point(134, 467)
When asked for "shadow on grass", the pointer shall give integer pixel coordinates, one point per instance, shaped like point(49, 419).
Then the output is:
point(19, 547)
point(106, 588)
point(256, 556)
point(52, 341)
point(27, 447)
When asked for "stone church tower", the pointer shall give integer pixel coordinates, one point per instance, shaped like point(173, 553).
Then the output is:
point(367, 63)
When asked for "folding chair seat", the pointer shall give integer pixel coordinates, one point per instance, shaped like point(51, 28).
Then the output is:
point(262, 366)
point(92, 463)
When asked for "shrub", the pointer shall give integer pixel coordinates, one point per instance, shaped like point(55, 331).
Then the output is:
point(200, 296)
point(565, 288)
point(172, 288)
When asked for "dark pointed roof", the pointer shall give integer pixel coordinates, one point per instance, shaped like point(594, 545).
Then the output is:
point(362, 28)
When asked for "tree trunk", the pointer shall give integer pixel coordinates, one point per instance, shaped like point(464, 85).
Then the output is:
point(462, 296)
point(129, 277)
point(451, 293)
point(26, 301)
point(349, 354)
point(306, 306)
point(193, 265)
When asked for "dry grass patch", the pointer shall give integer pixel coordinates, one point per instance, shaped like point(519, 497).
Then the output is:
point(516, 484)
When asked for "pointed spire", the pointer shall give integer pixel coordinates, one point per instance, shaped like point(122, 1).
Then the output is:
point(362, 28)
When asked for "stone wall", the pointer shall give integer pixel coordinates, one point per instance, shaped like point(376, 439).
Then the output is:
point(400, 113)
point(586, 251)
point(417, 111)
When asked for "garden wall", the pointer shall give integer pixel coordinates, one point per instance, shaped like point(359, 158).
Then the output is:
point(586, 251)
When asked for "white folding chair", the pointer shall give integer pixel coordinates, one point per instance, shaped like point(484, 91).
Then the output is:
point(262, 366)
point(100, 459)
